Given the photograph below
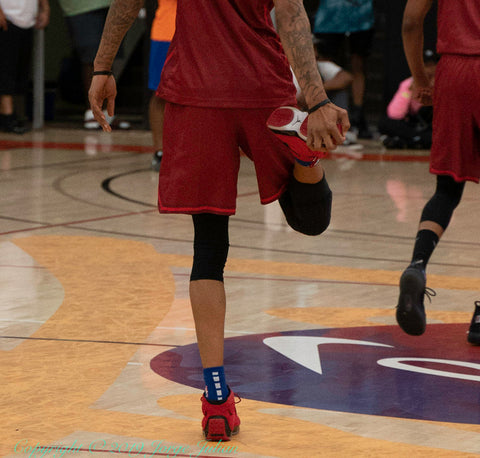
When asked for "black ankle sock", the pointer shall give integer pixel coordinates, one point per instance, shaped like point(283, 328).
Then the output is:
point(425, 243)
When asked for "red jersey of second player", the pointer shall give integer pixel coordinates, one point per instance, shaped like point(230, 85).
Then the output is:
point(458, 27)
point(226, 53)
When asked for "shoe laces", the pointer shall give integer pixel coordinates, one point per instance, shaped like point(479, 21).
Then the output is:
point(429, 292)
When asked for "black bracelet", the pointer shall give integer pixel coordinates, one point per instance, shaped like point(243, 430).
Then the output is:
point(103, 72)
point(319, 105)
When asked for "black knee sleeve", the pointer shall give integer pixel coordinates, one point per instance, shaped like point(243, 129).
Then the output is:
point(441, 206)
point(307, 207)
point(210, 246)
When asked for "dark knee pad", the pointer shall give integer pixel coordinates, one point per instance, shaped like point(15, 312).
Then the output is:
point(442, 204)
point(307, 207)
point(210, 246)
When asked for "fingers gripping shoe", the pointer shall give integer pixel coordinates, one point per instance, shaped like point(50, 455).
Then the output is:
point(410, 309)
point(220, 421)
point(289, 124)
point(474, 331)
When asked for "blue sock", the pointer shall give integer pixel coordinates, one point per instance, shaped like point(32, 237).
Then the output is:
point(216, 388)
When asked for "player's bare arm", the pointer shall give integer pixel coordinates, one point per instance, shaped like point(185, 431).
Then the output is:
point(412, 34)
point(120, 17)
point(294, 31)
point(3, 21)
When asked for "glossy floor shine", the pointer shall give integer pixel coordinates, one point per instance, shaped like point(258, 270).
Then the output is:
point(97, 345)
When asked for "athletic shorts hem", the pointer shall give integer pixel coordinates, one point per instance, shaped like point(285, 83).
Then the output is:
point(196, 210)
point(458, 179)
point(276, 196)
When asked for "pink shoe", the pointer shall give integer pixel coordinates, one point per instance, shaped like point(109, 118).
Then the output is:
point(220, 421)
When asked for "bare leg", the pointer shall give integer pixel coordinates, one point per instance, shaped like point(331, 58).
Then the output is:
point(208, 306)
point(358, 83)
point(431, 226)
point(156, 114)
point(310, 175)
point(6, 104)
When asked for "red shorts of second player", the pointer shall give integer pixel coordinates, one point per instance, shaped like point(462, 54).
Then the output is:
point(456, 118)
point(201, 158)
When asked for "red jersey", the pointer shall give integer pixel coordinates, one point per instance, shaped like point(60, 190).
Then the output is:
point(226, 53)
point(458, 27)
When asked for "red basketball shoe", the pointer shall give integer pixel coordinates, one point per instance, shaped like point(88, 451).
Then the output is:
point(220, 421)
point(289, 124)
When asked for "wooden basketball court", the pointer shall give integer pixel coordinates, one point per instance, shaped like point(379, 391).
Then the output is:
point(97, 343)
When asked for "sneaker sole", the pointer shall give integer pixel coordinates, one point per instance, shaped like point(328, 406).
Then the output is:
point(474, 338)
point(217, 429)
point(91, 125)
point(290, 127)
point(411, 318)
point(285, 120)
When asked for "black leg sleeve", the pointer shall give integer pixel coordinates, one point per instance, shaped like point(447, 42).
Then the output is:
point(441, 206)
point(307, 207)
point(210, 246)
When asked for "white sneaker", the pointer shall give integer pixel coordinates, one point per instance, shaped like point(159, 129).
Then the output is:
point(89, 122)
point(351, 137)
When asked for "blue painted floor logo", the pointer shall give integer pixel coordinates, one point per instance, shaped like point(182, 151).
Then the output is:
point(368, 370)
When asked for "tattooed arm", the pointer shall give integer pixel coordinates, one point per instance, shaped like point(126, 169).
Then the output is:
point(294, 31)
point(120, 17)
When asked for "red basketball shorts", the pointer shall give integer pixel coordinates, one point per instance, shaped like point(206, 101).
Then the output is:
point(456, 118)
point(201, 158)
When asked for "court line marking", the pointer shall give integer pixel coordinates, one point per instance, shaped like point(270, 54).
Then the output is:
point(141, 149)
point(53, 339)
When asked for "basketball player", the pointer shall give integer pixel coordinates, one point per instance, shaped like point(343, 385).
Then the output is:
point(226, 72)
point(455, 154)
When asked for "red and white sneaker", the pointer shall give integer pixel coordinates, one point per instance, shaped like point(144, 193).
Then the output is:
point(220, 421)
point(289, 121)
point(290, 125)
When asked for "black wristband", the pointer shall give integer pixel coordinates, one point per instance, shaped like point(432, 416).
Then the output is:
point(103, 72)
point(319, 105)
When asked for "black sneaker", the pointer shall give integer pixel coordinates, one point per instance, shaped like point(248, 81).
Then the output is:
point(156, 160)
point(359, 123)
point(474, 331)
point(394, 143)
point(10, 124)
point(410, 309)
